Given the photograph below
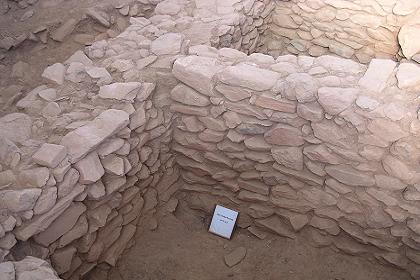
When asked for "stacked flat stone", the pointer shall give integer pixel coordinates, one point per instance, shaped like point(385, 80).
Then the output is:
point(28, 268)
point(324, 146)
point(76, 183)
point(360, 30)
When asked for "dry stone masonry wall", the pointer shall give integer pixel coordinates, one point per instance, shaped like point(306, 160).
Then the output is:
point(84, 160)
point(84, 193)
point(359, 29)
point(323, 146)
point(326, 146)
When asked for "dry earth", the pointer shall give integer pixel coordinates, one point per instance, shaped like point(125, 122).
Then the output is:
point(50, 14)
point(181, 248)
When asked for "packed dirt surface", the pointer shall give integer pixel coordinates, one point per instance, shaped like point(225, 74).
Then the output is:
point(37, 22)
point(181, 248)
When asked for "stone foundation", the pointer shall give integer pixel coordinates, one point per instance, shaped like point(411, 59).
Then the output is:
point(325, 145)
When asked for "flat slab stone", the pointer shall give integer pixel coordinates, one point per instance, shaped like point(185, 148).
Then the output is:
point(350, 176)
point(335, 100)
point(275, 224)
point(408, 75)
point(235, 257)
point(42, 222)
point(284, 135)
point(83, 140)
point(378, 74)
point(50, 155)
point(90, 169)
point(249, 76)
point(409, 39)
point(55, 73)
point(16, 127)
point(61, 225)
point(169, 43)
point(197, 72)
point(19, 200)
point(120, 91)
point(7, 270)
point(189, 96)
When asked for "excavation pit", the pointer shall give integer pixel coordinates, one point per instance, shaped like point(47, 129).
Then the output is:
point(137, 138)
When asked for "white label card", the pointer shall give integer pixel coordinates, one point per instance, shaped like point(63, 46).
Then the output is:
point(223, 221)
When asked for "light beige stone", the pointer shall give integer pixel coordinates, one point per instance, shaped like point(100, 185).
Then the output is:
point(284, 135)
point(79, 230)
point(90, 169)
point(408, 39)
point(350, 176)
point(35, 177)
point(42, 222)
point(120, 91)
point(336, 100)
point(378, 74)
point(19, 200)
point(189, 96)
point(113, 165)
point(197, 72)
point(55, 73)
point(248, 76)
point(276, 225)
point(235, 257)
point(291, 157)
point(169, 43)
point(408, 75)
point(45, 201)
point(50, 155)
point(86, 138)
point(61, 225)
point(16, 127)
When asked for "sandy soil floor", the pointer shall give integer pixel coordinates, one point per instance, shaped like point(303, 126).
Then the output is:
point(181, 248)
point(48, 13)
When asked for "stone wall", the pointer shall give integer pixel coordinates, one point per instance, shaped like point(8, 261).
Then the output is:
point(83, 162)
point(28, 268)
point(325, 146)
point(360, 30)
point(90, 159)
point(248, 25)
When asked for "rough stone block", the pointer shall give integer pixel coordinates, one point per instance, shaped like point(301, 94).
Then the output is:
point(50, 155)
point(90, 169)
point(86, 138)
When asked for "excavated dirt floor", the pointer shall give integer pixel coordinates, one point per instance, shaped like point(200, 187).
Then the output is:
point(181, 248)
point(49, 13)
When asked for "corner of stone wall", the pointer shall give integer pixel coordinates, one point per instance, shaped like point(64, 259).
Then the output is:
point(324, 147)
point(87, 158)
